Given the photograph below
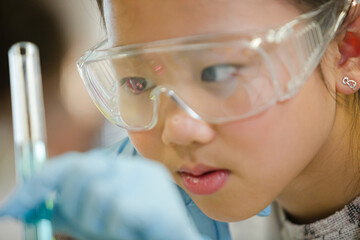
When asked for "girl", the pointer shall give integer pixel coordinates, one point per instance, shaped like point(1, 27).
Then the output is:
point(244, 102)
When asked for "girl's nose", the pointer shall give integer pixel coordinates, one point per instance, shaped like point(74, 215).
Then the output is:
point(182, 129)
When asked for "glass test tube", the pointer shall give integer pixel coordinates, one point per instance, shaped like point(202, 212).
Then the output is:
point(28, 123)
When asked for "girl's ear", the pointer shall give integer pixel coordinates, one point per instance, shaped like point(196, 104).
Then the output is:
point(349, 48)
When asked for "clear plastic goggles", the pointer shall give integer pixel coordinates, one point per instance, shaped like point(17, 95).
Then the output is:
point(216, 78)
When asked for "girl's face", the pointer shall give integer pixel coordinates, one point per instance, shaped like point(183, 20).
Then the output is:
point(251, 161)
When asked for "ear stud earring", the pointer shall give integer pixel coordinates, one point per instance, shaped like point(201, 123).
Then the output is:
point(350, 83)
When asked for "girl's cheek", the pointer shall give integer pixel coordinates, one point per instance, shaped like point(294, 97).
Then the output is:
point(147, 143)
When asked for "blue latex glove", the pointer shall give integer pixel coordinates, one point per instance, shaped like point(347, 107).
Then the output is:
point(99, 197)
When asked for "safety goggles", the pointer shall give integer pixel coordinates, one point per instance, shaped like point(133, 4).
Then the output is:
point(216, 78)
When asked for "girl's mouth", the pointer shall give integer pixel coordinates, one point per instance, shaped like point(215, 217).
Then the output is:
point(206, 182)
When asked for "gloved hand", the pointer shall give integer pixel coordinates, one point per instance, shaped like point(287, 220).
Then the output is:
point(99, 197)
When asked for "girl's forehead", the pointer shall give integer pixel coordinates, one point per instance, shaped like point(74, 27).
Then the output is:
point(140, 21)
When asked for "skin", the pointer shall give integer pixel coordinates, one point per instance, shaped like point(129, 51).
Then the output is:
point(296, 152)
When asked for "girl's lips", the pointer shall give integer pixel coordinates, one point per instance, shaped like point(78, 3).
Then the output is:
point(206, 183)
point(197, 170)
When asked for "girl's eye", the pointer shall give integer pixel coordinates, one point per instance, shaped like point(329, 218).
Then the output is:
point(220, 72)
point(137, 85)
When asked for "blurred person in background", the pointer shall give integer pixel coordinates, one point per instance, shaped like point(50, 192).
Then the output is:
point(34, 21)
